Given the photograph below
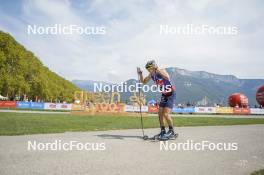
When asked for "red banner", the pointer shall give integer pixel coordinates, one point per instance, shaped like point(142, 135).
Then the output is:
point(241, 110)
point(7, 104)
point(153, 109)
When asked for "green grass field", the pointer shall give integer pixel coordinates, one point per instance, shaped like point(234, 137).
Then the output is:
point(259, 172)
point(27, 123)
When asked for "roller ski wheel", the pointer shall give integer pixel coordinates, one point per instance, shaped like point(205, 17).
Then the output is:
point(173, 137)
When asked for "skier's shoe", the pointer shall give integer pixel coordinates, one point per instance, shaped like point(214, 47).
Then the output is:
point(171, 134)
point(161, 136)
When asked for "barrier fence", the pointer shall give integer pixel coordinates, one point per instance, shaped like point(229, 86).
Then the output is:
point(104, 107)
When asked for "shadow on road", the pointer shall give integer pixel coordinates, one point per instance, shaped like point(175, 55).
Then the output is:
point(120, 137)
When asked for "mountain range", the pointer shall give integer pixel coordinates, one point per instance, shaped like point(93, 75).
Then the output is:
point(22, 73)
point(195, 87)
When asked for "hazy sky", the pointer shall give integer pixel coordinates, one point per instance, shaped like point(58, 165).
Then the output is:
point(133, 36)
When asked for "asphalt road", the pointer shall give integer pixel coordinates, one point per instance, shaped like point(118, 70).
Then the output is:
point(123, 152)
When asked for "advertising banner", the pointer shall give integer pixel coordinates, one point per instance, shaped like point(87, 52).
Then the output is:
point(143, 109)
point(23, 104)
point(131, 108)
point(7, 104)
point(36, 105)
point(241, 111)
point(205, 110)
point(50, 106)
point(224, 110)
point(153, 109)
point(63, 106)
point(183, 110)
point(57, 106)
point(256, 111)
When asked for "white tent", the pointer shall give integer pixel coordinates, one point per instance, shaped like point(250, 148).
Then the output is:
point(3, 98)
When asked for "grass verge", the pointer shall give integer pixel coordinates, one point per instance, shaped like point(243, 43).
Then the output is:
point(26, 123)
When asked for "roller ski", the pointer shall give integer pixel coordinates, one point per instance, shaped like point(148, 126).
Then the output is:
point(162, 136)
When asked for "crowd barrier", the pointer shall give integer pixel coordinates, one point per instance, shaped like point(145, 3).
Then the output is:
point(104, 107)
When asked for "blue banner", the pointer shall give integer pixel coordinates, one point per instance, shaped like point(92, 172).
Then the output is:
point(183, 110)
point(32, 105)
point(22, 104)
point(36, 105)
